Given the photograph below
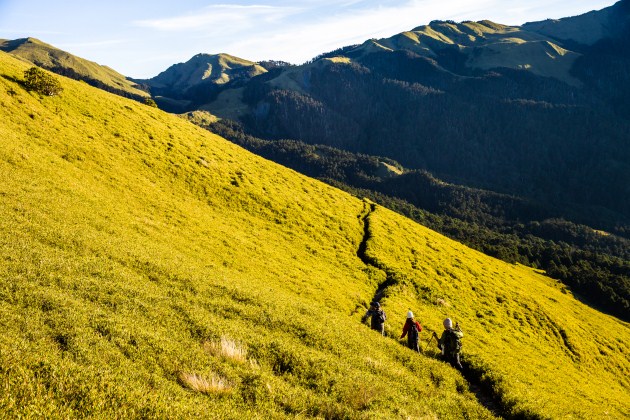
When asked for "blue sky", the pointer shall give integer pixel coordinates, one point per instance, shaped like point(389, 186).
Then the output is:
point(142, 38)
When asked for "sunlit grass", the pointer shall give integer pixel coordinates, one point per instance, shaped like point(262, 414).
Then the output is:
point(136, 248)
point(533, 341)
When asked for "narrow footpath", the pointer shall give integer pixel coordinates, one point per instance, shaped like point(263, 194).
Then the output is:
point(482, 390)
point(364, 218)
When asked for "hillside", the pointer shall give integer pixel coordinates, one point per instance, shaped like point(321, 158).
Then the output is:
point(64, 63)
point(479, 104)
point(152, 269)
point(595, 265)
point(200, 79)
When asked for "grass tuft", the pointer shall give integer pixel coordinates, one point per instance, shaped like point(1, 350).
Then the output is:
point(228, 348)
point(212, 385)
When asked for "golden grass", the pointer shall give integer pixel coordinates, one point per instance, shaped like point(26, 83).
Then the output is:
point(540, 346)
point(130, 237)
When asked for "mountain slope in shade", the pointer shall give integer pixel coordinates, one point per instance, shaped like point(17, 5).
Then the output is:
point(61, 62)
point(586, 29)
point(482, 104)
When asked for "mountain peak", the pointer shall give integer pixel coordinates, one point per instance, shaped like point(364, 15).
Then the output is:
point(218, 69)
point(9, 45)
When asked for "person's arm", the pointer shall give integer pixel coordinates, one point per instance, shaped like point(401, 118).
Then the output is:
point(441, 340)
point(405, 329)
point(419, 326)
point(364, 317)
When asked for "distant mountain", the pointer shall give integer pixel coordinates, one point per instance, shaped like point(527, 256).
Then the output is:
point(64, 63)
point(515, 110)
point(480, 46)
point(200, 79)
point(586, 29)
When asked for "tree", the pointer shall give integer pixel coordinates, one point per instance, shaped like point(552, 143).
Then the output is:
point(41, 82)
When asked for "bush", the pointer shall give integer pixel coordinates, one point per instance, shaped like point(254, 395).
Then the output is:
point(41, 82)
point(150, 102)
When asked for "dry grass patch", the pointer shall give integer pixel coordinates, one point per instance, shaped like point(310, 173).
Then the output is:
point(213, 385)
point(228, 348)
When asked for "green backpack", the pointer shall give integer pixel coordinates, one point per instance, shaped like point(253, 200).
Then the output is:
point(452, 342)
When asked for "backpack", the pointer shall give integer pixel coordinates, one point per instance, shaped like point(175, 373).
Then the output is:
point(452, 342)
point(381, 316)
point(413, 332)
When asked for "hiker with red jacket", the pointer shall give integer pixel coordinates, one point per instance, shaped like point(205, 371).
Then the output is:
point(412, 330)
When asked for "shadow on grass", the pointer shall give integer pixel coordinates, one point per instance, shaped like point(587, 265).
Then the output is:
point(489, 393)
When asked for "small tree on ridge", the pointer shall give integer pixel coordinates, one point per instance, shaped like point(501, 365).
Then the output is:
point(41, 82)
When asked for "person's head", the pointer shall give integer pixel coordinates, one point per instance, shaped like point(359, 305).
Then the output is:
point(448, 323)
point(377, 305)
point(409, 315)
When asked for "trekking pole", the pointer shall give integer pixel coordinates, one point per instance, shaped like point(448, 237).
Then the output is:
point(428, 342)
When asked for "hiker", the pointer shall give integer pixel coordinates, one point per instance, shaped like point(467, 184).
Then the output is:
point(412, 329)
point(450, 343)
point(378, 317)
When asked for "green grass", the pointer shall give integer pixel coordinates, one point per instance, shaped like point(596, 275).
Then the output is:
point(151, 269)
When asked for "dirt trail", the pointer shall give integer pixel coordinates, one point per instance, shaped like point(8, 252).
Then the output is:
point(367, 260)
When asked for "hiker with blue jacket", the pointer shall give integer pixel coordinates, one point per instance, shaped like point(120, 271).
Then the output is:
point(377, 314)
point(451, 343)
point(412, 330)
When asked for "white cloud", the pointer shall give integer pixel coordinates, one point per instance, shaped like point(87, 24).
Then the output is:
point(222, 15)
point(300, 41)
point(325, 26)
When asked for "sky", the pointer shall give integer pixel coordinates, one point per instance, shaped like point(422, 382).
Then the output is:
point(141, 38)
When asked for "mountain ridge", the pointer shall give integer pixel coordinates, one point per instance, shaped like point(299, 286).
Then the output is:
point(62, 62)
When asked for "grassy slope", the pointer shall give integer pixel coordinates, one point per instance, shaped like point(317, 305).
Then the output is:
point(132, 240)
point(545, 353)
point(47, 56)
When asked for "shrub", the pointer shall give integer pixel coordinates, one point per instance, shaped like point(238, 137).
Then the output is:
point(38, 80)
point(150, 102)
